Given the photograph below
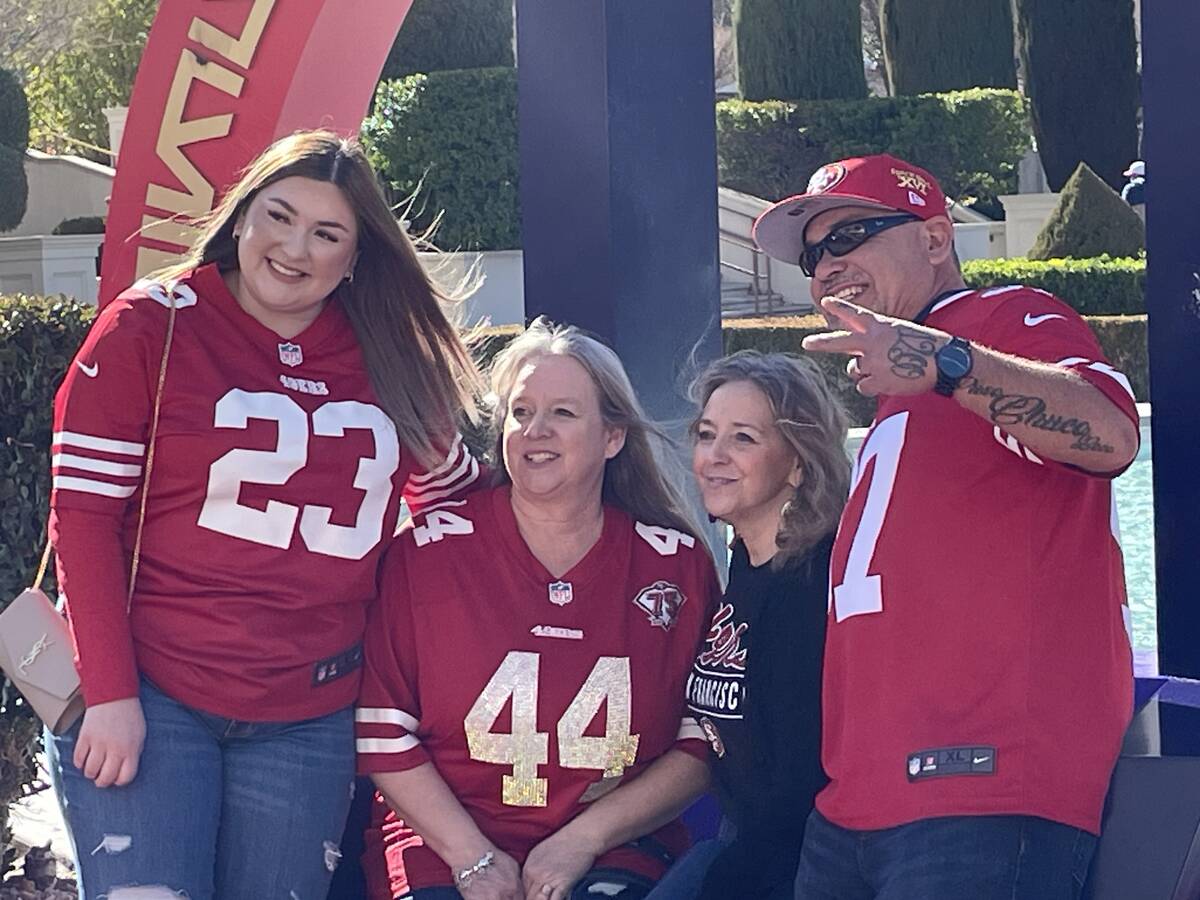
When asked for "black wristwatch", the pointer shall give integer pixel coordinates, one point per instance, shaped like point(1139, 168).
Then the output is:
point(954, 362)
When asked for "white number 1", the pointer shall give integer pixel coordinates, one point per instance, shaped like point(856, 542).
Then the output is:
point(859, 593)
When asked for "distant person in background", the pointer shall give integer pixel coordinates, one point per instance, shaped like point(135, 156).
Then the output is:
point(1134, 192)
point(978, 673)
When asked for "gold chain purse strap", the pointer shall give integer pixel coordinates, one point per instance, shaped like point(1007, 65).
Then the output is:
point(137, 541)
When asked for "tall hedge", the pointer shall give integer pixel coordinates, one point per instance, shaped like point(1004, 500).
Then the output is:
point(452, 34)
point(799, 49)
point(1102, 286)
point(1080, 60)
point(947, 45)
point(14, 139)
point(450, 139)
point(38, 337)
point(972, 141)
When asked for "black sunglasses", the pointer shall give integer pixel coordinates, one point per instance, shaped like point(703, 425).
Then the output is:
point(849, 236)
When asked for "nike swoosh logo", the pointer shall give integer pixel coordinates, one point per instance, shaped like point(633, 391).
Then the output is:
point(90, 371)
point(980, 760)
point(1038, 320)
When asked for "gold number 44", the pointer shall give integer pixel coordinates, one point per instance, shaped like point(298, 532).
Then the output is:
point(525, 748)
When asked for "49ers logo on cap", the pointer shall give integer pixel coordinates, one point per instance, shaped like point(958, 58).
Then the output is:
point(825, 178)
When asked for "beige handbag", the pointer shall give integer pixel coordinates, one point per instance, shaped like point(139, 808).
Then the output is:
point(36, 650)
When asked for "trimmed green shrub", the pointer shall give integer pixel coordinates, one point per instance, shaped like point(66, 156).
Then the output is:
point(799, 49)
point(450, 140)
point(38, 337)
point(14, 113)
point(452, 34)
point(1081, 77)
point(972, 141)
point(80, 225)
point(1090, 219)
point(14, 188)
point(1093, 287)
point(947, 45)
point(14, 138)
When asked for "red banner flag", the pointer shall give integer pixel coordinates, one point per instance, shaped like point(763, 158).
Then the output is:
point(218, 82)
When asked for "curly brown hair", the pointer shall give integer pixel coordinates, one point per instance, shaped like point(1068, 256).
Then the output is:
point(813, 423)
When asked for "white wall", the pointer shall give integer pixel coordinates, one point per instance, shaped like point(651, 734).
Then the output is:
point(62, 187)
point(499, 280)
point(47, 265)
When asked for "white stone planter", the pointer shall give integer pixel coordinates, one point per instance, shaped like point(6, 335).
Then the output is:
point(500, 276)
point(1024, 216)
point(50, 264)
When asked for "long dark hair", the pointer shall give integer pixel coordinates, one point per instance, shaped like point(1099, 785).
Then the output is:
point(421, 371)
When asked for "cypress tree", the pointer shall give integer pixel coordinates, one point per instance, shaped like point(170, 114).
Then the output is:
point(452, 34)
point(1080, 60)
point(799, 49)
point(1090, 219)
point(947, 45)
point(14, 138)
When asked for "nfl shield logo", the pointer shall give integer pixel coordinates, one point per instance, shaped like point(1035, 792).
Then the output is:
point(561, 593)
point(290, 354)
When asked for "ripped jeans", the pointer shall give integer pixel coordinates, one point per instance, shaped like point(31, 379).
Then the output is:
point(219, 807)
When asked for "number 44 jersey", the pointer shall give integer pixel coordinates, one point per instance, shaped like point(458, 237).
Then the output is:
point(276, 483)
point(532, 695)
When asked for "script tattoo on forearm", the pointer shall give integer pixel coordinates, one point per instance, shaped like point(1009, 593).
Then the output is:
point(911, 353)
point(1007, 410)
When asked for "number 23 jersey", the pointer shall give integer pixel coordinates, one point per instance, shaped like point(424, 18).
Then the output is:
point(276, 483)
point(532, 695)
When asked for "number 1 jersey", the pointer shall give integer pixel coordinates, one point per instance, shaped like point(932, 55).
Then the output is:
point(532, 695)
point(276, 482)
point(977, 659)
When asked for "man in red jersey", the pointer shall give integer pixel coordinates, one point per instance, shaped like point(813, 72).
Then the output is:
point(978, 672)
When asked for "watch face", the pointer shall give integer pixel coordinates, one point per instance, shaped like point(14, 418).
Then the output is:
point(954, 362)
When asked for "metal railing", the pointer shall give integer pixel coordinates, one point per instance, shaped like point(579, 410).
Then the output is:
point(759, 273)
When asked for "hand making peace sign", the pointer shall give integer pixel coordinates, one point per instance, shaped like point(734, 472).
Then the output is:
point(887, 355)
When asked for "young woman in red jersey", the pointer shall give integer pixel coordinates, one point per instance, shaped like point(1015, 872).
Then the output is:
point(312, 381)
point(769, 456)
point(522, 708)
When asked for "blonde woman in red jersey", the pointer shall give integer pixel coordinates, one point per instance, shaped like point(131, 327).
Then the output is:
point(312, 382)
point(522, 708)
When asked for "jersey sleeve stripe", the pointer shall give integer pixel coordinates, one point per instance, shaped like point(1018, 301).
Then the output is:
point(1103, 369)
point(99, 466)
point(88, 486)
point(464, 473)
point(382, 715)
point(689, 729)
point(387, 745)
point(90, 442)
point(425, 495)
point(440, 470)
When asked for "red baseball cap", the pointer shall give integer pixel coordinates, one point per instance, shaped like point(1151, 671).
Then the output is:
point(882, 182)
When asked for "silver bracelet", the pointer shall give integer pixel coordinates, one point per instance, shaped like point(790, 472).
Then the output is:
point(464, 876)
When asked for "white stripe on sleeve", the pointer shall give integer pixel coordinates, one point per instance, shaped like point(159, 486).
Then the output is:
point(91, 442)
point(88, 486)
point(100, 466)
point(387, 745)
point(382, 715)
point(690, 729)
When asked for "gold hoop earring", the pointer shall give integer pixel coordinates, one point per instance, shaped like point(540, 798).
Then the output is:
point(350, 277)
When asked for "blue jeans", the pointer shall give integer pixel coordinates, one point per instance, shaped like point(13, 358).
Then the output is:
point(219, 808)
point(952, 858)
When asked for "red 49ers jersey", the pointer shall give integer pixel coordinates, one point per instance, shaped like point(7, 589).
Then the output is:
point(276, 483)
point(978, 658)
point(532, 695)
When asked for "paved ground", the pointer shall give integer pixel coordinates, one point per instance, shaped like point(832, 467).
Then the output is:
point(36, 821)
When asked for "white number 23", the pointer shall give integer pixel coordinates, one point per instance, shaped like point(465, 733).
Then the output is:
point(275, 524)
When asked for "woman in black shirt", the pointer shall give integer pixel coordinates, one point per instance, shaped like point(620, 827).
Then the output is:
point(769, 456)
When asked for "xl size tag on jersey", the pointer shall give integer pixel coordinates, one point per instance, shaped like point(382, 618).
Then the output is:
point(334, 667)
point(941, 761)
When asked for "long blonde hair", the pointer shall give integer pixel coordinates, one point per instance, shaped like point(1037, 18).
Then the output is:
point(420, 369)
point(634, 479)
point(812, 422)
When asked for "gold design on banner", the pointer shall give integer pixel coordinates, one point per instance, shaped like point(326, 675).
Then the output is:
point(238, 50)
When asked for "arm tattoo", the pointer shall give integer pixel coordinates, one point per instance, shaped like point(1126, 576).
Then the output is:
point(911, 353)
point(1007, 410)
